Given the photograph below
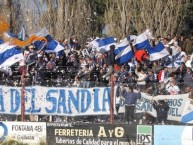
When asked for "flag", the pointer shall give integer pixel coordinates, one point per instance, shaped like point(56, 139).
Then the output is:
point(1, 41)
point(39, 44)
point(10, 35)
point(157, 52)
point(53, 45)
point(125, 55)
point(9, 54)
point(94, 43)
point(21, 35)
point(175, 61)
point(131, 37)
point(105, 43)
point(142, 42)
point(121, 46)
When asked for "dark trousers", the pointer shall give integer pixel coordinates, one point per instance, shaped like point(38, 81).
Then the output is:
point(129, 113)
point(117, 108)
point(160, 120)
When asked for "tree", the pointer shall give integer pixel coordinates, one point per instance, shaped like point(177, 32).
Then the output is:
point(162, 17)
point(85, 18)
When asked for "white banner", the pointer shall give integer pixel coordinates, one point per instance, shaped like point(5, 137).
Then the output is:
point(175, 102)
point(188, 112)
point(56, 101)
point(26, 132)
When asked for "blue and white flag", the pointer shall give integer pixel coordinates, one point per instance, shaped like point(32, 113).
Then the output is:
point(175, 61)
point(9, 54)
point(121, 46)
point(105, 43)
point(131, 37)
point(1, 41)
point(157, 52)
point(9, 35)
point(53, 45)
point(94, 43)
point(142, 42)
point(125, 55)
point(39, 45)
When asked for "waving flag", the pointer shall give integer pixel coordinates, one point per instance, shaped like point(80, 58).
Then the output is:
point(175, 61)
point(142, 42)
point(94, 43)
point(1, 41)
point(39, 45)
point(121, 46)
point(53, 45)
point(9, 54)
point(125, 55)
point(131, 37)
point(157, 52)
point(105, 43)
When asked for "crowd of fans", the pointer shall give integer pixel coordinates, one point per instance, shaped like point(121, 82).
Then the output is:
point(80, 66)
point(89, 68)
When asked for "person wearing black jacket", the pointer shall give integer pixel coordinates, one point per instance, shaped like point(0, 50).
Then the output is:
point(110, 61)
point(162, 109)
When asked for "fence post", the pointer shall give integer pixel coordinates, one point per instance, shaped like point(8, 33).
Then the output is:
point(112, 100)
point(23, 94)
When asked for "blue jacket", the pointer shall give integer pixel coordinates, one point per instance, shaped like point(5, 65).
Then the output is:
point(162, 111)
point(130, 97)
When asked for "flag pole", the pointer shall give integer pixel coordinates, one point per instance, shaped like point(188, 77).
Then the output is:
point(23, 94)
point(112, 100)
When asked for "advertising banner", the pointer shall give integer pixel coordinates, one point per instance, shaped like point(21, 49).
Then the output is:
point(144, 135)
point(56, 101)
point(173, 135)
point(91, 134)
point(32, 133)
point(176, 103)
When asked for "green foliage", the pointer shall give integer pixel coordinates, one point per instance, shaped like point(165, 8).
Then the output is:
point(98, 8)
point(43, 143)
point(13, 142)
point(187, 18)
